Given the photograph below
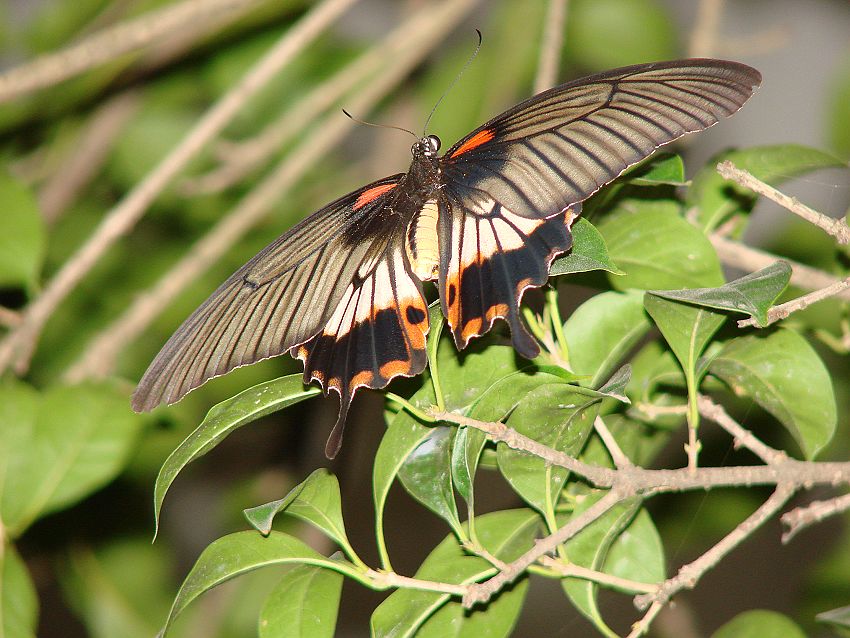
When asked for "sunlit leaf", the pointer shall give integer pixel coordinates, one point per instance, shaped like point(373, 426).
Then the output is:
point(18, 599)
point(303, 605)
point(783, 374)
point(589, 252)
point(22, 234)
point(660, 169)
point(226, 417)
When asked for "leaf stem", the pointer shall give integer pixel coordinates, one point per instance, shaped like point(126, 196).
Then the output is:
point(557, 323)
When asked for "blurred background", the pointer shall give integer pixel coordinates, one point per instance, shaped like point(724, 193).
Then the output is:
point(73, 150)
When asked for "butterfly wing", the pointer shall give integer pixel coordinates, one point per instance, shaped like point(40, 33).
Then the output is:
point(336, 290)
point(510, 184)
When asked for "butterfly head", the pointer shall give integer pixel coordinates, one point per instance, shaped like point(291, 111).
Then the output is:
point(427, 146)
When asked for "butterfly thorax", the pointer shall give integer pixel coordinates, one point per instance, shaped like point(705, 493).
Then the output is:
point(422, 184)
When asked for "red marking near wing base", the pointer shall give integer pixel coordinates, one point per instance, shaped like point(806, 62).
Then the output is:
point(372, 194)
point(475, 141)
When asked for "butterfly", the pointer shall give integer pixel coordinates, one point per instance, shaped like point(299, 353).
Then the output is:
point(342, 290)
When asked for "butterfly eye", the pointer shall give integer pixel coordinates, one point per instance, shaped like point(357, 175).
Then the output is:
point(433, 143)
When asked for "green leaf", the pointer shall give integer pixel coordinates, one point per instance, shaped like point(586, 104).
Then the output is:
point(759, 623)
point(223, 419)
point(839, 617)
point(465, 377)
point(603, 34)
point(752, 294)
point(18, 599)
point(784, 375)
point(662, 169)
point(304, 604)
point(603, 330)
point(506, 534)
point(59, 447)
point(22, 236)
point(716, 199)
point(243, 552)
point(315, 500)
point(589, 252)
point(687, 329)
point(624, 543)
point(658, 249)
point(589, 549)
point(555, 415)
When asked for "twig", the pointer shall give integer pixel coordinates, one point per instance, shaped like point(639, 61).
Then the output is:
point(617, 454)
point(550, 48)
point(716, 413)
point(482, 592)
point(89, 153)
point(738, 255)
point(109, 44)
point(385, 580)
point(9, 318)
point(837, 228)
point(238, 159)
point(802, 517)
point(18, 346)
point(99, 358)
point(782, 311)
point(571, 570)
point(690, 574)
point(499, 432)
point(704, 35)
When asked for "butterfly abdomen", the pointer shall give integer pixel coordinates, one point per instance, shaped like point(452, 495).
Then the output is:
point(422, 246)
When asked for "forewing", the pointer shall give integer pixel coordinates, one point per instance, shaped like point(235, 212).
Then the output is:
point(280, 299)
point(559, 147)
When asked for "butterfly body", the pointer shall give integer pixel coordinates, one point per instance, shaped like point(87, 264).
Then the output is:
point(342, 291)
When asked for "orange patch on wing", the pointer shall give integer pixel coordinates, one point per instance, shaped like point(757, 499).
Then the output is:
point(472, 328)
point(475, 141)
point(522, 285)
point(394, 368)
point(499, 310)
point(372, 194)
point(364, 378)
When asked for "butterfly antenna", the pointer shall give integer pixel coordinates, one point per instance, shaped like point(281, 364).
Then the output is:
point(359, 121)
point(451, 86)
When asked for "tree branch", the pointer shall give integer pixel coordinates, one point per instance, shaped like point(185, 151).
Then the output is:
point(802, 517)
point(109, 44)
point(550, 47)
point(838, 228)
point(782, 311)
point(18, 346)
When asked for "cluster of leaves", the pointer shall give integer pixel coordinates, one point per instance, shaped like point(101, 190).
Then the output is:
point(664, 274)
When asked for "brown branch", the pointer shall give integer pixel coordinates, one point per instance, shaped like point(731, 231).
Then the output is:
point(802, 517)
point(550, 47)
point(9, 318)
point(690, 574)
point(87, 156)
point(738, 255)
point(714, 412)
point(782, 311)
point(18, 346)
point(571, 570)
point(704, 35)
point(617, 455)
point(99, 358)
point(385, 580)
point(108, 44)
point(837, 228)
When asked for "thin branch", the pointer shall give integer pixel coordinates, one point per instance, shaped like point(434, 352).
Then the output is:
point(782, 311)
point(617, 455)
point(9, 318)
point(571, 570)
point(87, 156)
point(691, 573)
point(108, 44)
point(99, 358)
point(482, 592)
point(738, 255)
point(550, 48)
point(238, 159)
point(802, 517)
point(18, 346)
point(499, 432)
point(711, 410)
point(704, 35)
point(837, 228)
point(385, 580)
